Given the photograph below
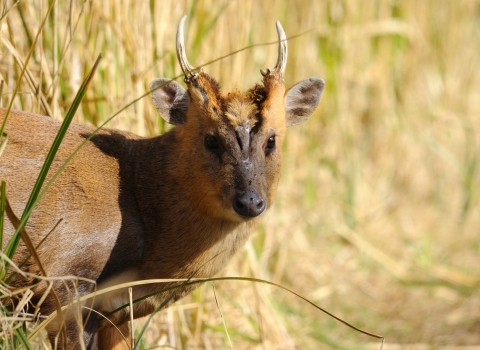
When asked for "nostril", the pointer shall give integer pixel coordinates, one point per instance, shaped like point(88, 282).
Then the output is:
point(238, 205)
point(260, 204)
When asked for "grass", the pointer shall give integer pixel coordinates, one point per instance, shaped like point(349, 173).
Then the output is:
point(377, 215)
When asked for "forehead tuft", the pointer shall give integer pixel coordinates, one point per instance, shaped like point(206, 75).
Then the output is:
point(257, 94)
point(241, 111)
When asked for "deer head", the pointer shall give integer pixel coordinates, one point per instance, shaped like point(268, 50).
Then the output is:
point(234, 140)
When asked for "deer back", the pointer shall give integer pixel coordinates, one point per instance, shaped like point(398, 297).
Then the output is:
point(85, 197)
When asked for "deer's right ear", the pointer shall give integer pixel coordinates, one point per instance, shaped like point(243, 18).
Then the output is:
point(171, 100)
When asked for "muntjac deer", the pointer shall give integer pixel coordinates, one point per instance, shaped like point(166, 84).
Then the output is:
point(173, 206)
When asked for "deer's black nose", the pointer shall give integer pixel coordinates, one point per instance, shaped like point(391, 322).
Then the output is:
point(249, 204)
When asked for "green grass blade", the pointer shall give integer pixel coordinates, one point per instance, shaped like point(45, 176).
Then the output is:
point(142, 331)
point(22, 338)
point(3, 185)
point(256, 280)
point(13, 243)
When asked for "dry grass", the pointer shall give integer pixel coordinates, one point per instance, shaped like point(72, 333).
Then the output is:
point(378, 213)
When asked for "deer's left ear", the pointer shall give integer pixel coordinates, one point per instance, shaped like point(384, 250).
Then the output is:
point(302, 99)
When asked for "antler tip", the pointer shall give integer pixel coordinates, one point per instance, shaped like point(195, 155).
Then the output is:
point(187, 68)
point(280, 31)
point(282, 50)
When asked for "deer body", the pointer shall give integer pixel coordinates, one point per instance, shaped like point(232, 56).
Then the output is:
point(174, 206)
point(105, 229)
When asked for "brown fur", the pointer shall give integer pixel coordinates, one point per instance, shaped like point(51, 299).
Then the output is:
point(136, 208)
point(115, 338)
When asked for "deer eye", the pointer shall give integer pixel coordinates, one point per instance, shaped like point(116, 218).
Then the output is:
point(271, 142)
point(270, 146)
point(211, 143)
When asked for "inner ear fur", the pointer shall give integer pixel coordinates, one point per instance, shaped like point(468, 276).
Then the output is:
point(171, 100)
point(302, 99)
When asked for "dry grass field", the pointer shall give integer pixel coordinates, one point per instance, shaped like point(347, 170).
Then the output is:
point(377, 219)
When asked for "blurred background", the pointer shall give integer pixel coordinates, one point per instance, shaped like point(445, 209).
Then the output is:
point(377, 217)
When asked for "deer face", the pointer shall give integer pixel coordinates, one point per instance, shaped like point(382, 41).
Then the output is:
point(233, 141)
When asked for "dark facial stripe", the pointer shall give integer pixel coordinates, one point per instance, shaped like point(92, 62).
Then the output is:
point(243, 134)
point(239, 140)
point(202, 91)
